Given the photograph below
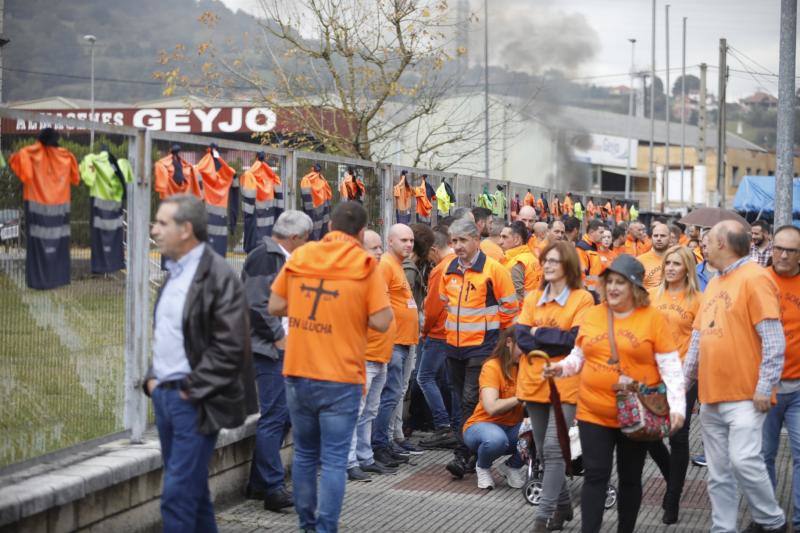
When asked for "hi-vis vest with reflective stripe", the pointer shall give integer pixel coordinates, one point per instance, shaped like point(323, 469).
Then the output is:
point(316, 194)
point(480, 301)
point(591, 263)
point(533, 273)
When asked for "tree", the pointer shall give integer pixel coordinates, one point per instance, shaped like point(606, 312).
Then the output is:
point(692, 84)
point(377, 68)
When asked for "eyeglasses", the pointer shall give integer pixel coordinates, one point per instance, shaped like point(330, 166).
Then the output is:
point(550, 261)
point(788, 251)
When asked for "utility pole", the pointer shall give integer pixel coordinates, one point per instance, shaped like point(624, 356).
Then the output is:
point(667, 101)
point(486, 86)
point(651, 168)
point(3, 41)
point(702, 122)
point(683, 106)
point(786, 100)
point(723, 79)
point(630, 124)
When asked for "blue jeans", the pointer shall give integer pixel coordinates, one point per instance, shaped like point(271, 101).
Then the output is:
point(786, 412)
point(185, 500)
point(390, 397)
point(323, 416)
point(361, 445)
point(266, 470)
point(431, 364)
point(491, 441)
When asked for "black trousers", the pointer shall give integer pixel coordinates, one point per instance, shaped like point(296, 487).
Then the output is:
point(464, 374)
point(674, 462)
point(598, 444)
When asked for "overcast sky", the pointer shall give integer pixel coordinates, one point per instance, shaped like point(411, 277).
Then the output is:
point(751, 27)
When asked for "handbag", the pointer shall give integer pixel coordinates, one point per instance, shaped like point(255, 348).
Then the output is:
point(642, 411)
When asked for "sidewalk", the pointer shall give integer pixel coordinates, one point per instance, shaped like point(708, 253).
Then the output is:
point(423, 497)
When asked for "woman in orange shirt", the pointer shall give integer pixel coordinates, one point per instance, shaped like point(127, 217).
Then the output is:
point(678, 298)
point(647, 353)
point(493, 428)
point(549, 322)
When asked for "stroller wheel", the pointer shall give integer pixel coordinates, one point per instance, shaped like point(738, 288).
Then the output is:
point(611, 496)
point(532, 491)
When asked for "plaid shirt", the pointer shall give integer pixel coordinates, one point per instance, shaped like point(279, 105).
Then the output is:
point(773, 348)
point(762, 257)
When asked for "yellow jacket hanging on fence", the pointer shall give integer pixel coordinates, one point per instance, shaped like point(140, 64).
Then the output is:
point(443, 200)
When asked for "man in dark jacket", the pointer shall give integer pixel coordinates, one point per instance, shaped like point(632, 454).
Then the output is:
point(201, 379)
point(268, 335)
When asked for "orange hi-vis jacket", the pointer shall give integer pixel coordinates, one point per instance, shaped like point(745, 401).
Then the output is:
point(166, 182)
point(402, 195)
point(608, 211)
point(529, 199)
point(351, 189)
point(522, 255)
point(567, 206)
point(46, 172)
point(317, 195)
point(434, 308)
point(618, 213)
point(216, 188)
point(555, 208)
point(540, 208)
point(424, 206)
point(260, 188)
point(591, 262)
point(480, 302)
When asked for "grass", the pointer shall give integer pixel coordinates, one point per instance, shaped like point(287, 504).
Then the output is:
point(61, 363)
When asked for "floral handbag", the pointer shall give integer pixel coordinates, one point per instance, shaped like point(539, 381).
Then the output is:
point(642, 411)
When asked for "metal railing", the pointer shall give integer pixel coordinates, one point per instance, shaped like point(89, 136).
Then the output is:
point(72, 359)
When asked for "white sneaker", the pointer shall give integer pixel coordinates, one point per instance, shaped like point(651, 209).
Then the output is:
point(485, 480)
point(515, 477)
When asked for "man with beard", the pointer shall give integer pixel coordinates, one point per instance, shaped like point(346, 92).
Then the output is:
point(654, 259)
point(761, 245)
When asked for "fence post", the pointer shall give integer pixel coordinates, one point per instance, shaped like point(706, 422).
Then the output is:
point(386, 178)
point(137, 300)
point(290, 180)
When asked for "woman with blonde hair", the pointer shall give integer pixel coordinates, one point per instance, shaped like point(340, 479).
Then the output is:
point(622, 339)
point(678, 299)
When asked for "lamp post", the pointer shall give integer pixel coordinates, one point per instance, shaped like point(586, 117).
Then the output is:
point(91, 39)
point(630, 124)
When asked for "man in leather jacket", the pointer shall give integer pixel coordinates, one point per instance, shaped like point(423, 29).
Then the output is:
point(201, 379)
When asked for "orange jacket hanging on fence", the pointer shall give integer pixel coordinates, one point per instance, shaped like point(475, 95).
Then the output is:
point(258, 185)
point(607, 210)
point(540, 208)
point(618, 213)
point(590, 209)
point(168, 182)
point(350, 188)
point(424, 206)
point(402, 195)
point(216, 181)
point(555, 208)
point(529, 199)
point(317, 195)
point(567, 206)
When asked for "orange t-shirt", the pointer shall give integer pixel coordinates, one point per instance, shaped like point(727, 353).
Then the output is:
point(331, 286)
point(639, 337)
point(492, 378)
point(406, 316)
point(653, 269)
point(789, 289)
point(679, 313)
point(530, 385)
point(379, 345)
point(434, 307)
point(493, 250)
point(730, 347)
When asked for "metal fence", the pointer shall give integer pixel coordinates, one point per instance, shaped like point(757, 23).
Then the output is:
point(72, 359)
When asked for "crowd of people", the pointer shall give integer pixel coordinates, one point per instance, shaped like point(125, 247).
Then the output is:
point(465, 329)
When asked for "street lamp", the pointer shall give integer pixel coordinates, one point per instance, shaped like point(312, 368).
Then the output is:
point(630, 124)
point(91, 39)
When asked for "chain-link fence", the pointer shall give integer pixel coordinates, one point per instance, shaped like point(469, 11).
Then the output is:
point(73, 355)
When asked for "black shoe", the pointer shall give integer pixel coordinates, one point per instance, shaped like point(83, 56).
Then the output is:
point(469, 467)
point(409, 447)
point(456, 467)
point(561, 516)
point(441, 438)
point(670, 515)
point(378, 468)
point(401, 458)
point(396, 449)
point(385, 457)
point(758, 528)
point(357, 474)
point(254, 494)
point(277, 500)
